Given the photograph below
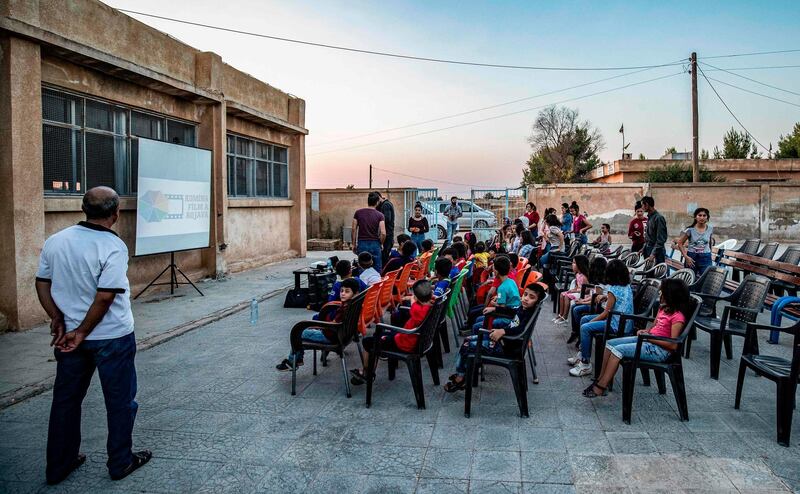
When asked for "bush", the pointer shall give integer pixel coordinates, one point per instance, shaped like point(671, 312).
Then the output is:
point(679, 172)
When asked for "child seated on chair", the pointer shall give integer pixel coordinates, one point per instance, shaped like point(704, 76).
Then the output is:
point(368, 274)
point(507, 294)
point(580, 267)
point(480, 255)
point(427, 246)
point(603, 241)
point(345, 271)
point(450, 253)
point(442, 279)
point(406, 256)
point(394, 341)
point(493, 343)
point(349, 288)
point(401, 239)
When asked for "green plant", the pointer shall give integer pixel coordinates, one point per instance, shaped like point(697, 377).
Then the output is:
point(678, 172)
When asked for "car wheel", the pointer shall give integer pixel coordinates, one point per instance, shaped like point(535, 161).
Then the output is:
point(442, 232)
point(481, 224)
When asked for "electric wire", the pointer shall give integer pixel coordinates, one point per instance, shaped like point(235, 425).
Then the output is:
point(733, 55)
point(497, 116)
point(731, 111)
point(454, 115)
point(393, 55)
point(755, 92)
point(752, 80)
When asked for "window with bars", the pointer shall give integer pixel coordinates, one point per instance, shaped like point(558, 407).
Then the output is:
point(257, 169)
point(87, 142)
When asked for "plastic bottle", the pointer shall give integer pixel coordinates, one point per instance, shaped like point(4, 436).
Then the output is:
point(253, 311)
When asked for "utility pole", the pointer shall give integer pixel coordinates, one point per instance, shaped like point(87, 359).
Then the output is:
point(695, 138)
point(370, 175)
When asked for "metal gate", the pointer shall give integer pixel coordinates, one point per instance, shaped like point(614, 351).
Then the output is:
point(488, 208)
point(429, 199)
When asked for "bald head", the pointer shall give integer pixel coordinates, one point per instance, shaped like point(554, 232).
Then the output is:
point(100, 203)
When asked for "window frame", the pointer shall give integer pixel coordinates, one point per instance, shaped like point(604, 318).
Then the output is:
point(128, 136)
point(252, 161)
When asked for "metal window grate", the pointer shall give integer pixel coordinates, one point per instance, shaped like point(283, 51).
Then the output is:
point(260, 169)
point(62, 156)
point(60, 107)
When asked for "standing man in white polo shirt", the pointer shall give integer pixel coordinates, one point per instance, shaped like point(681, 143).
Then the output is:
point(82, 284)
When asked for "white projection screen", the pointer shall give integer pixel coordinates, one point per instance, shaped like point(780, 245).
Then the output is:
point(173, 209)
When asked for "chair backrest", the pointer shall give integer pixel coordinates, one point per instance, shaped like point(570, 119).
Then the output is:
point(525, 337)
point(659, 271)
point(351, 319)
point(616, 251)
point(686, 275)
point(368, 313)
point(427, 329)
point(533, 277)
point(632, 259)
point(385, 297)
point(690, 313)
point(402, 280)
point(728, 244)
point(521, 274)
point(791, 255)
point(523, 261)
point(646, 297)
point(710, 283)
point(649, 263)
point(434, 256)
point(454, 293)
point(769, 250)
point(750, 294)
point(750, 246)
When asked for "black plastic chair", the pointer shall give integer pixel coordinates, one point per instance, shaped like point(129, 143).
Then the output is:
point(346, 332)
point(686, 275)
point(673, 366)
point(748, 247)
point(657, 272)
point(425, 341)
point(632, 259)
point(744, 306)
point(561, 284)
point(709, 285)
point(790, 256)
point(645, 299)
point(784, 373)
point(515, 363)
point(769, 250)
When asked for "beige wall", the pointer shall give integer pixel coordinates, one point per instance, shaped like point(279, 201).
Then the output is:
point(631, 171)
point(89, 48)
point(770, 211)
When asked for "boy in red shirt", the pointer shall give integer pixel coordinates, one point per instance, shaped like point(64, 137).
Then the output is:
point(394, 341)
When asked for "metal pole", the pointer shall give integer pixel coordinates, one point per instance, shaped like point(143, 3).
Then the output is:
point(370, 175)
point(695, 138)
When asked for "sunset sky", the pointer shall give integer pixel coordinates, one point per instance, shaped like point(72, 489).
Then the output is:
point(350, 94)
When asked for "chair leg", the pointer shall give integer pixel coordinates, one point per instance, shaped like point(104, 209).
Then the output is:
point(660, 382)
point(679, 390)
point(645, 376)
point(599, 348)
point(433, 365)
point(294, 376)
point(392, 366)
point(315, 362)
point(688, 347)
point(415, 372)
point(785, 409)
point(726, 339)
point(468, 388)
point(715, 354)
point(324, 358)
point(532, 361)
point(740, 384)
point(360, 350)
point(519, 381)
point(628, 382)
point(445, 339)
point(346, 377)
point(372, 365)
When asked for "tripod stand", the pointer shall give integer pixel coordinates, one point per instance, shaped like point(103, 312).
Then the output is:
point(173, 278)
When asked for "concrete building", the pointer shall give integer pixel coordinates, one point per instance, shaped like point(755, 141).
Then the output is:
point(78, 82)
point(756, 170)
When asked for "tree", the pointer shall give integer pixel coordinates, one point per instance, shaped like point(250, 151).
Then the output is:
point(564, 148)
point(679, 172)
point(704, 155)
point(789, 146)
point(642, 156)
point(350, 187)
point(670, 150)
point(754, 153)
point(488, 195)
point(737, 145)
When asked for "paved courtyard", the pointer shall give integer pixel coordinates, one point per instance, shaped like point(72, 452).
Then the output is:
point(219, 418)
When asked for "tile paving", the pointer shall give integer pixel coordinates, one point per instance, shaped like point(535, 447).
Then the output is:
point(219, 418)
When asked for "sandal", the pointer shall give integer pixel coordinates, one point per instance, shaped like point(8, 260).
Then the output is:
point(589, 392)
point(453, 386)
point(358, 377)
point(140, 459)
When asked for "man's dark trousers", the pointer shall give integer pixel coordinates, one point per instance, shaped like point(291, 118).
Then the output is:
point(114, 360)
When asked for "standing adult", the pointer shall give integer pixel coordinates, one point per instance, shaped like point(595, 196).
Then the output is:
point(656, 231)
point(697, 254)
point(386, 207)
point(82, 284)
point(452, 212)
point(636, 228)
point(418, 226)
point(566, 223)
point(533, 217)
point(369, 230)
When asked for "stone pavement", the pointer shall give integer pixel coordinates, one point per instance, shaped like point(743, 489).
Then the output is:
point(219, 418)
point(27, 365)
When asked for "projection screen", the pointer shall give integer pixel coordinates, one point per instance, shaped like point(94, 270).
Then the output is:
point(174, 197)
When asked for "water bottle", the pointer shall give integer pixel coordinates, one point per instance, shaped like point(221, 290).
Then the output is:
point(330, 265)
point(253, 311)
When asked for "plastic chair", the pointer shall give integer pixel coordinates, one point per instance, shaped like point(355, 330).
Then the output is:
point(783, 372)
point(401, 285)
point(521, 275)
point(673, 366)
point(686, 275)
point(385, 298)
point(728, 244)
point(744, 306)
point(456, 318)
point(346, 331)
point(368, 313)
point(769, 250)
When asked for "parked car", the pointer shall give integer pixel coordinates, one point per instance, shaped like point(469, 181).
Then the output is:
point(474, 216)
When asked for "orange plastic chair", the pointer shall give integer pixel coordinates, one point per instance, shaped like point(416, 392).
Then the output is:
point(420, 269)
point(533, 277)
point(368, 307)
point(522, 263)
point(401, 285)
point(521, 276)
point(385, 297)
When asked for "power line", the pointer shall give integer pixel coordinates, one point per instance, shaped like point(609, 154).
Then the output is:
point(447, 117)
point(433, 180)
point(393, 55)
point(730, 111)
point(754, 53)
point(760, 67)
point(754, 92)
point(751, 80)
point(497, 116)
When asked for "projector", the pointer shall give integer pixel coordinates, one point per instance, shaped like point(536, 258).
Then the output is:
point(319, 266)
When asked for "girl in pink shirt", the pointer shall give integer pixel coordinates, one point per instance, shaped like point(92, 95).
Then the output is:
point(670, 321)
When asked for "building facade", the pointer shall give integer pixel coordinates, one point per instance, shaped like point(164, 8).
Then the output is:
point(79, 81)
point(755, 170)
